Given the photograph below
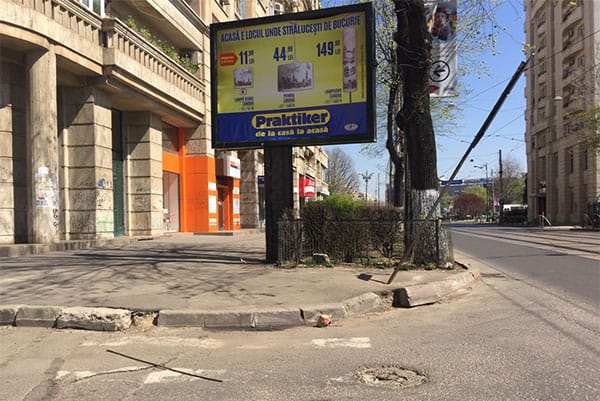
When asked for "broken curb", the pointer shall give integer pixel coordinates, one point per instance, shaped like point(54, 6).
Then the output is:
point(423, 294)
point(113, 319)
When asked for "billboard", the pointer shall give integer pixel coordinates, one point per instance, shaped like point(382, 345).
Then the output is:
point(296, 79)
point(441, 17)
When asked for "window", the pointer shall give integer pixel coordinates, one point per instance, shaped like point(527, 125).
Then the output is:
point(543, 66)
point(585, 159)
point(542, 42)
point(554, 165)
point(581, 61)
point(540, 19)
point(571, 200)
point(239, 8)
point(97, 6)
point(570, 161)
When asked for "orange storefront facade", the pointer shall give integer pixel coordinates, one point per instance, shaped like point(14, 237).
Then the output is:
point(200, 193)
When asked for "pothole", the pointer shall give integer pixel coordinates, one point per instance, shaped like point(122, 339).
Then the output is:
point(391, 376)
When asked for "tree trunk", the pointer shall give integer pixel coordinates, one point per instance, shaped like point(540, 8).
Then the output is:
point(414, 119)
point(392, 147)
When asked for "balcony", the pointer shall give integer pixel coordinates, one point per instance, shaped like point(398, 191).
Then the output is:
point(76, 31)
point(572, 46)
point(103, 48)
point(571, 14)
point(131, 59)
point(573, 104)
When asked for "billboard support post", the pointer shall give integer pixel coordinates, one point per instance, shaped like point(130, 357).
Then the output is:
point(279, 185)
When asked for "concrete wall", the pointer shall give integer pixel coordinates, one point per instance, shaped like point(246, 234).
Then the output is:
point(143, 147)
point(86, 164)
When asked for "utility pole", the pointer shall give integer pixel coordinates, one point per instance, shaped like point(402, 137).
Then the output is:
point(487, 189)
point(501, 185)
point(378, 188)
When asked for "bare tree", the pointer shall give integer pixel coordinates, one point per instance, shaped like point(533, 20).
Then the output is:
point(582, 115)
point(341, 174)
point(510, 188)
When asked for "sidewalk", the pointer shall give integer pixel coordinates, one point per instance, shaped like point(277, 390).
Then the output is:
point(198, 280)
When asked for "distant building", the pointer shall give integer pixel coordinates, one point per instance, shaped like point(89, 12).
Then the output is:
point(563, 178)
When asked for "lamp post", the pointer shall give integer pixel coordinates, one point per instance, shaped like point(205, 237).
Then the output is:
point(366, 176)
point(487, 189)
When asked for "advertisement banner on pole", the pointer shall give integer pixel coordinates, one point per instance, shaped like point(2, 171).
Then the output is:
point(441, 17)
point(299, 78)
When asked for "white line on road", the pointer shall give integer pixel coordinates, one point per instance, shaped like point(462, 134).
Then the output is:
point(164, 376)
point(353, 342)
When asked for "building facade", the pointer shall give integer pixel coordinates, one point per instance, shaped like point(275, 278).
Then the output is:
point(105, 121)
point(563, 86)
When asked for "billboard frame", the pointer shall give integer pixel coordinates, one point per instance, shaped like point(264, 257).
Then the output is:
point(367, 128)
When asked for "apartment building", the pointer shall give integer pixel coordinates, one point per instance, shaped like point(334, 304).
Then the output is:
point(105, 121)
point(563, 85)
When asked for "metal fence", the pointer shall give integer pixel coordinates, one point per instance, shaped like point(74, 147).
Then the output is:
point(341, 240)
point(592, 218)
point(361, 240)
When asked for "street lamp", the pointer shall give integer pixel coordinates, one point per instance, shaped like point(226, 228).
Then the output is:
point(487, 189)
point(366, 176)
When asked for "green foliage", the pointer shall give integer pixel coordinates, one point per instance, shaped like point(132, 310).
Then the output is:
point(343, 205)
point(446, 201)
point(477, 190)
point(347, 230)
point(166, 47)
point(518, 191)
point(515, 216)
point(591, 134)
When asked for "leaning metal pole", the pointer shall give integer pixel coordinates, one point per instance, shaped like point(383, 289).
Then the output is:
point(409, 249)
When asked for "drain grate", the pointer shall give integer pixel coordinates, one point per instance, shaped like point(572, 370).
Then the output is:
point(391, 376)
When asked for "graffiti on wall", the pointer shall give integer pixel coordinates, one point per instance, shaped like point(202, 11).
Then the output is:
point(46, 189)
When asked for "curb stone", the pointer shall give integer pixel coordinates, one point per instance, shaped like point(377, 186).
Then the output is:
point(98, 319)
point(311, 314)
point(37, 316)
point(8, 314)
point(109, 319)
point(369, 302)
point(429, 293)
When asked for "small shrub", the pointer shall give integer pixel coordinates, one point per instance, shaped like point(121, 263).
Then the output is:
point(166, 47)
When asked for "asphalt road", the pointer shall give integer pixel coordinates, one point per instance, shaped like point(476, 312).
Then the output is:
point(564, 262)
point(513, 336)
point(502, 340)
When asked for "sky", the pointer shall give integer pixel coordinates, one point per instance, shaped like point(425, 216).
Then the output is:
point(506, 133)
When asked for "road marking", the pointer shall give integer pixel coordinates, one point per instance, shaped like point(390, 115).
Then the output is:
point(353, 342)
point(253, 346)
point(83, 374)
point(159, 341)
point(165, 376)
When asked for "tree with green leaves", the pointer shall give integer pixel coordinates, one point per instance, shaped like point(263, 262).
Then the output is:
point(479, 191)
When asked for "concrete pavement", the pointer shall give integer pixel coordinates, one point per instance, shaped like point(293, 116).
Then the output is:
point(212, 281)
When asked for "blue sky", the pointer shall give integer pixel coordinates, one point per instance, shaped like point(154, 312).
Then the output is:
point(506, 132)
